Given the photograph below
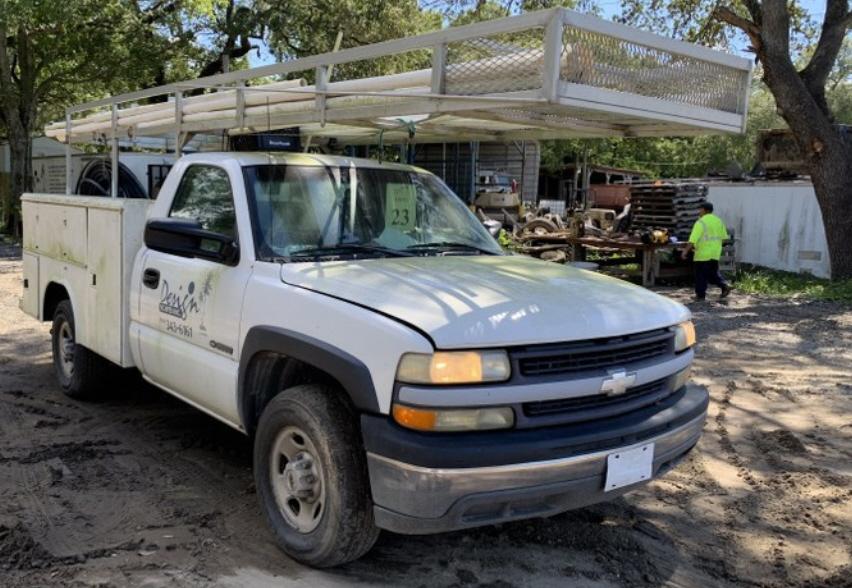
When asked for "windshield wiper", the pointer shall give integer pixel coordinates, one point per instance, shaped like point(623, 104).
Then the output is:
point(348, 248)
point(450, 245)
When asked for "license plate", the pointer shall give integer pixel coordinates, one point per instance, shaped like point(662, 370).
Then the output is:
point(629, 466)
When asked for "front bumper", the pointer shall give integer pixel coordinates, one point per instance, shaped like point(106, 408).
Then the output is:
point(425, 498)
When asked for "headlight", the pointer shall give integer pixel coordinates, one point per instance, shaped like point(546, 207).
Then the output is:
point(680, 379)
point(447, 420)
point(453, 367)
point(684, 336)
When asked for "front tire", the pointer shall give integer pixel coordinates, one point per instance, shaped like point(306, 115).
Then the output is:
point(80, 372)
point(311, 477)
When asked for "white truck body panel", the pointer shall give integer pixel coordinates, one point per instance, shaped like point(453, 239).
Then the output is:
point(192, 318)
point(226, 302)
point(380, 340)
point(72, 241)
point(491, 301)
point(30, 298)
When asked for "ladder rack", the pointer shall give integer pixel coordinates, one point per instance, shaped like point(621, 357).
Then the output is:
point(542, 75)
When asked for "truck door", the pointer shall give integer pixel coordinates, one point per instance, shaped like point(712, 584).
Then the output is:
point(189, 308)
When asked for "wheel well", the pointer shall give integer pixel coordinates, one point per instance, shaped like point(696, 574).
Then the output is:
point(270, 373)
point(53, 295)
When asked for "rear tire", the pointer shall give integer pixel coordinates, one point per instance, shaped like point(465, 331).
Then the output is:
point(311, 477)
point(81, 373)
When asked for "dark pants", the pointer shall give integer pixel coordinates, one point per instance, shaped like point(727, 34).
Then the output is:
point(707, 272)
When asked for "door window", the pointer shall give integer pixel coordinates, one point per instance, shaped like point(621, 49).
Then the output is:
point(204, 195)
point(156, 176)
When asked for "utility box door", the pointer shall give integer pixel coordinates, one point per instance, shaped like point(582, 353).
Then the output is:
point(61, 233)
point(29, 300)
point(104, 299)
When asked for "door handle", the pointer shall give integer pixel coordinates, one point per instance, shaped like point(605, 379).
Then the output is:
point(151, 277)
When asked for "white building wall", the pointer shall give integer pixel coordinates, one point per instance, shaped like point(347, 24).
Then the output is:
point(778, 225)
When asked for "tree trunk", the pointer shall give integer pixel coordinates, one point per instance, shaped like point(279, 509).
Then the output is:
point(800, 96)
point(21, 180)
point(831, 174)
point(828, 158)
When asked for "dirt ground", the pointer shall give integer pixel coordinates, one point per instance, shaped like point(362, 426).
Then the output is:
point(142, 490)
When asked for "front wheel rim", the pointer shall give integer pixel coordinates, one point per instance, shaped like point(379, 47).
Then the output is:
point(65, 350)
point(297, 479)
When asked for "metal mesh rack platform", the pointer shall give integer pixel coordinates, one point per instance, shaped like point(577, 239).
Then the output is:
point(548, 74)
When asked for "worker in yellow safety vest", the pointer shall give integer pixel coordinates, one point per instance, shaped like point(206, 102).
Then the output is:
point(706, 240)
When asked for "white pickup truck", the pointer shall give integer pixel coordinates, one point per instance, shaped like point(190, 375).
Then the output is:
point(394, 367)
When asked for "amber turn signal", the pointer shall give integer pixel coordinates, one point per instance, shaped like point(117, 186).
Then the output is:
point(450, 420)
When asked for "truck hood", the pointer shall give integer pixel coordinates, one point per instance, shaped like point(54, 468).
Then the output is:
point(490, 301)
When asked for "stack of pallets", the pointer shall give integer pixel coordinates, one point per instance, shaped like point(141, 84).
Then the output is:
point(728, 261)
point(672, 206)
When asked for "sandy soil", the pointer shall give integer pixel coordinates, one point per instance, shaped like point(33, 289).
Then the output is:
point(141, 490)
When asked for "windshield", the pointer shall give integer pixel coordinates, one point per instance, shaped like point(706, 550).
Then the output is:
point(495, 180)
point(311, 211)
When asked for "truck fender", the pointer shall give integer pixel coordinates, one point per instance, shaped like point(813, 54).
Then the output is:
point(46, 314)
point(348, 370)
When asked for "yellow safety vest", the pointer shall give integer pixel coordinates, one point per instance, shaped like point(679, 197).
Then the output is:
point(707, 235)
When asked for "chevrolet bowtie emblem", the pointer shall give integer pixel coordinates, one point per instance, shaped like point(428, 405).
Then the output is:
point(617, 382)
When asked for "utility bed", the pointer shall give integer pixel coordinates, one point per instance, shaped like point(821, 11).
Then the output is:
point(86, 245)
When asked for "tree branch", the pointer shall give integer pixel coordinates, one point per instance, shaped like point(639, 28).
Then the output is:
point(727, 15)
point(836, 21)
point(159, 10)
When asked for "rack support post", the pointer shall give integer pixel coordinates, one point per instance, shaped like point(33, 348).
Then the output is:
point(113, 188)
point(439, 61)
point(241, 104)
point(67, 153)
point(552, 57)
point(178, 123)
point(321, 86)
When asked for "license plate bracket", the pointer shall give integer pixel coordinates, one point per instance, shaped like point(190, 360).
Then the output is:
point(629, 466)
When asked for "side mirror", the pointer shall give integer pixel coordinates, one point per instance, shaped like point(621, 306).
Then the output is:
point(186, 238)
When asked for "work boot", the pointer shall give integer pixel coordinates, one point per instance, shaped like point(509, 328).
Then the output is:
point(726, 290)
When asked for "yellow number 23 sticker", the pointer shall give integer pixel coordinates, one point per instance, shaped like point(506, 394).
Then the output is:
point(400, 206)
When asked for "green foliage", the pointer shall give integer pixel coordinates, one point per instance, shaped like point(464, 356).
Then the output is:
point(460, 12)
point(692, 21)
point(506, 242)
point(669, 157)
point(84, 49)
point(298, 28)
point(758, 280)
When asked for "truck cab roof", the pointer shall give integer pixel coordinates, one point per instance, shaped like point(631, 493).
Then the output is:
point(249, 158)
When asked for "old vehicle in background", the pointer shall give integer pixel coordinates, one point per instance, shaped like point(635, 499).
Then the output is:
point(497, 197)
point(778, 154)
